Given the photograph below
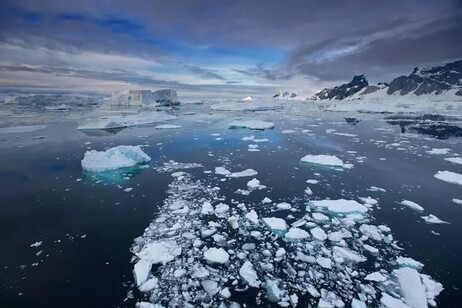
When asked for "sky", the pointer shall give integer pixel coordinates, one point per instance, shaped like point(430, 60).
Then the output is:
point(219, 48)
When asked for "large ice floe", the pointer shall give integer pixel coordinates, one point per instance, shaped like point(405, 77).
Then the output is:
point(122, 156)
point(325, 160)
point(252, 124)
point(449, 176)
point(113, 122)
point(202, 250)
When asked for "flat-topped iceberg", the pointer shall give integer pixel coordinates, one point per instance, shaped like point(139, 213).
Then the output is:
point(122, 156)
point(449, 176)
point(252, 124)
point(325, 160)
point(340, 206)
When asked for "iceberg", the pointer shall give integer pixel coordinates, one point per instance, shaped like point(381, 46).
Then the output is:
point(160, 252)
point(432, 219)
point(115, 158)
point(325, 160)
point(412, 205)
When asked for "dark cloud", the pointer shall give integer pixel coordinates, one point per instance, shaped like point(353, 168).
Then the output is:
point(327, 40)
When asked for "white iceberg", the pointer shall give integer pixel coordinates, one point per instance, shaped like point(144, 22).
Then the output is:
point(432, 219)
point(160, 252)
point(325, 160)
point(340, 206)
point(412, 205)
point(115, 158)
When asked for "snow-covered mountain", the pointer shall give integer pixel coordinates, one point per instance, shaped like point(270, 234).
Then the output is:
point(422, 81)
point(285, 95)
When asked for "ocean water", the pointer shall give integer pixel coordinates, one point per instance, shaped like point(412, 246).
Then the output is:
point(87, 223)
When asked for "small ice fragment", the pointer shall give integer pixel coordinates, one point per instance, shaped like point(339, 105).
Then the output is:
point(376, 276)
point(284, 206)
point(252, 216)
point(295, 234)
point(432, 219)
point(36, 244)
point(324, 262)
point(319, 234)
point(249, 275)
point(210, 286)
point(267, 200)
point(412, 205)
point(274, 223)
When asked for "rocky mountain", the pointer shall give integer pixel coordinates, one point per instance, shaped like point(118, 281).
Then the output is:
point(422, 81)
point(285, 95)
point(345, 90)
point(429, 80)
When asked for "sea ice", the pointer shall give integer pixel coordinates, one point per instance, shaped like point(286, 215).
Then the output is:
point(141, 271)
point(411, 287)
point(319, 234)
point(432, 219)
point(324, 262)
point(295, 234)
point(114, 158)
point(376, 276)
point(167, 126)
point(457, 201)
point(442, 151)
point(252, 124)
point(112, 122)
point(161, 251)
point(390, 302)
point(449, 176)
point(454, 160)
point(249, 275)
point(216, 256)
point(255, 184)
point(21, 129)
point(284, 206)
point(326, 160)
point(340, 206)
point(412, 205)
point(276, 224)
point(252, 216)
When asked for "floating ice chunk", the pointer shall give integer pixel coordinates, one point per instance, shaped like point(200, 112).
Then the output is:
point(148, 305)
point(167, 126)
point(371, 231)
point(284, 206)
point(210, 287)
point(319, 234)
point(296, 234)
point(247, 98)
point(216, 256)
point(245, 173)
point(355, 303)
point(432, 288)
point(255, 184)
point(252, 124)
point(326, 160)
point(409, 262)
point(376, 276)
point(344, 254)
point(112, 122)
point(324, 262)
point(304, 258)
point(267, 200)
point(312, 181)
point(149, 285)
point(280, 252)
point(222, 171)
point(390, 302)
point(369, 200)
point(114, 158)
point(252, 216)
point(207, 208)
point(319, 217)
point(432, 219)
point(449, 176)
point(442, 151)
point(457, 201)
point(377, 189)
point(161, 251)
point(454, 160)
point(288, 131)
point(21, 129)
point(276, 224)
point(221, 209)
point(340, 206)
point(141, 271)
point(274, 293)
point(411, 287)
point(371, 249)
point(412, 205)
point(308, 191)
point(225, 293)
point(249, 275)
point(36, 244)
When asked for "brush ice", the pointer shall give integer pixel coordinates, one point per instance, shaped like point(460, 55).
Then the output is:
point(118, 157)
point(160, 252)
point(249, 275)
point(340, 206)
point(449, 176)
point(216, 256)
point(325, 160)
point(274, 223)
point(412, 205)
point(411, 287)
point(252, 124)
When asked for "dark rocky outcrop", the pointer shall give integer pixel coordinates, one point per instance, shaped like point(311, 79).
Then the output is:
point(434, 80)
point(345, 90)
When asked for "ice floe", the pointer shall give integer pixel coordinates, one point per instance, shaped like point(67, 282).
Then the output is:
point(114, 158)
point(449, 176)
point(412, 205)
point(432, 219)
point(21, 129)
point(454, 160)
point(252, 124)
point(325, 160)
point(112, 122)
point(340, 206)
